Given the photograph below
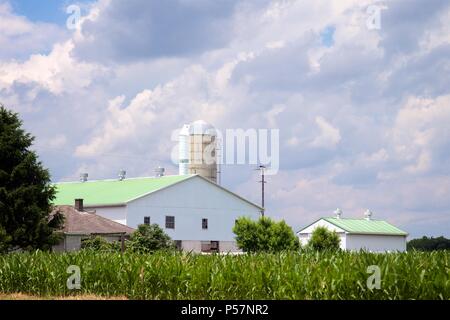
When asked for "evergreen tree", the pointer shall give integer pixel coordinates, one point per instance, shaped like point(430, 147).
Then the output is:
point(25, 190)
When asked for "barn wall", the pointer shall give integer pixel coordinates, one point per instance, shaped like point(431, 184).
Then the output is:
point(229, 246)
point(196, 246)
point(190, 201)
point(376, 243)
point(190, 245)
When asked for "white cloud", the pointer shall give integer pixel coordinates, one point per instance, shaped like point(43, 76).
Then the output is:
point(329, 136)
point(19, 37)
point(56, 72)
point(421, 132)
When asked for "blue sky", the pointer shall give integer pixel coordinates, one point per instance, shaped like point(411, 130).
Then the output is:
point(327, 36)
point(362, 108)
point(50, 11)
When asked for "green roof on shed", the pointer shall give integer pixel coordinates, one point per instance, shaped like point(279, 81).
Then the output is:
point(111, 192)
point(363, 226)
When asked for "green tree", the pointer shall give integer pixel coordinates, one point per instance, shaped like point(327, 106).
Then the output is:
point(25, 190)
point(264, 235)
point(324, 239)
point(149, 238)
point(99, 243)
point(429, 244)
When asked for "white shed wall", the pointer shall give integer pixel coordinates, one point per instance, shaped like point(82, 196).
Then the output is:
point(321, 223)
point(376, 243)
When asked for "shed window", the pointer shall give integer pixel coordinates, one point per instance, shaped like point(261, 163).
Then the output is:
point(170, 222)
point(147, 220)
point(204, 223)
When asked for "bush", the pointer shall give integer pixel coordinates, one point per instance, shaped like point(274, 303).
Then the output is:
point(324, 239)
point(99, 243)
point(149, 238)
point(264, 235)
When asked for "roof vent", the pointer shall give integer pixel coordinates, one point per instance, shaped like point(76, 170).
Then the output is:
point(84, 177)
point(338, 213)
point(368, 214)
point(159, 172)
point(122, 175)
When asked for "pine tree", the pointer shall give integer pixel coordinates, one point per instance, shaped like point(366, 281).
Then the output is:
point(25, 190)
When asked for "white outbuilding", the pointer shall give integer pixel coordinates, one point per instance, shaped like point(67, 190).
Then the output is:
point(360, 234)
point(194, 211)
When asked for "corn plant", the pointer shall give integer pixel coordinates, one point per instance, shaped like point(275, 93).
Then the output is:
point(176, 275)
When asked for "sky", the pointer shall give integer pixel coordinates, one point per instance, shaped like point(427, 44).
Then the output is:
point(358, 89)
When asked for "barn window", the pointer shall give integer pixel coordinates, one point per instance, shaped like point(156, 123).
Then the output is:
point(170, 222)
point(147, 220)
point(204, 223)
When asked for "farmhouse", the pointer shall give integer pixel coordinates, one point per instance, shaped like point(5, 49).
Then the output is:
point(360, 234)
point(194, 211)
point(79, 225)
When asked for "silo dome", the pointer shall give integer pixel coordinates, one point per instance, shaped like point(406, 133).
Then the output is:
point(201, 127)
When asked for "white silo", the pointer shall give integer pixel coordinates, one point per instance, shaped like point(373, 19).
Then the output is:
point(183, 151)
point(202, 150)
point(197, 150)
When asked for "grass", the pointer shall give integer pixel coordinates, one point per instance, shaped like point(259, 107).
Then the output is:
point(309, 275)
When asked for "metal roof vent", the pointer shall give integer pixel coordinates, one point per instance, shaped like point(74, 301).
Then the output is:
point(159, 172)
point(368, 214)
point(338, 212)
point(122, 175)
point(84, 177)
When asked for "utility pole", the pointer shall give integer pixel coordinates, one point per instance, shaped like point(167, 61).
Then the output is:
point(262, 169)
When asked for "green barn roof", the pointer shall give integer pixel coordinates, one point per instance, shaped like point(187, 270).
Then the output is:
point(111, 192)
point(363, 226)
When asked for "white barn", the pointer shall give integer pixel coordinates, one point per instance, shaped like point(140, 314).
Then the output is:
point(195, 212)
point(360, 234)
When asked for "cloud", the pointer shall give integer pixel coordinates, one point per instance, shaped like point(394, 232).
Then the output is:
point(56, 72)
point(421, 134)
point(363, 120)
point(136, 30)
point(20, 37)
point(329, 136)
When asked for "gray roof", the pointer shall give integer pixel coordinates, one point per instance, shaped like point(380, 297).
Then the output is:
point(77, 222)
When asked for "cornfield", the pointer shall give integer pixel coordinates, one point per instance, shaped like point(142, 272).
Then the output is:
point(174, 275)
